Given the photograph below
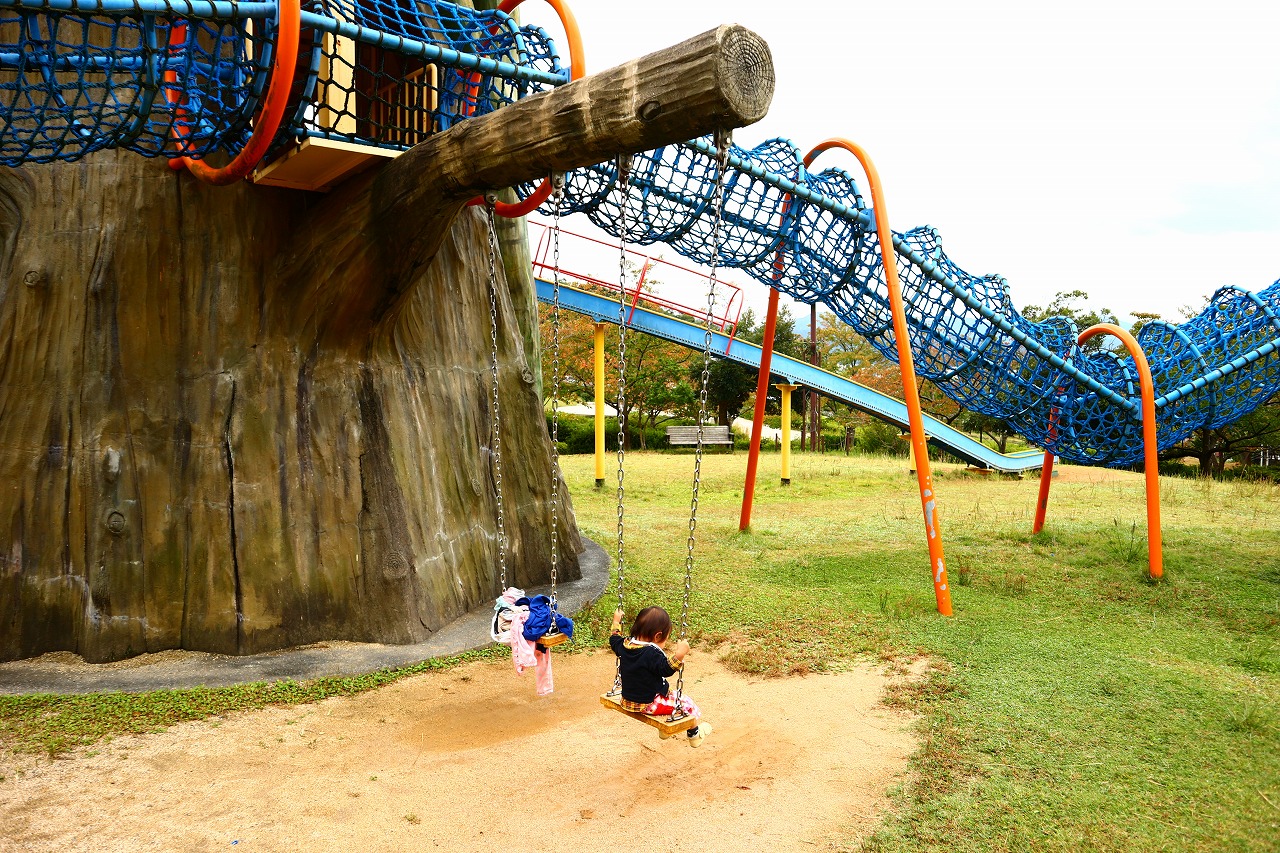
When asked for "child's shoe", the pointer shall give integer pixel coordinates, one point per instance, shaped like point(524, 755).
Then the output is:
point(695, 740)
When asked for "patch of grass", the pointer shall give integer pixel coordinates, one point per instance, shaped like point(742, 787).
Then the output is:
point(1069, 705)
point(1074, 705)
point(1248, 717)
point(54, 725)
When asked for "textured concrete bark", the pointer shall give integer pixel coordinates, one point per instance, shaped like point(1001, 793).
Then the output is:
point(185, 465)
point(238, 419)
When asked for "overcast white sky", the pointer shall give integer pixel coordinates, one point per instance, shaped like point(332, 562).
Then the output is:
point(1130, 148)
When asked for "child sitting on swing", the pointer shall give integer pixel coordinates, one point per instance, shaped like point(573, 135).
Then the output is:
point(644, 667)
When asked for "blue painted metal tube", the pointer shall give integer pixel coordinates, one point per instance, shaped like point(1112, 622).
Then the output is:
point(965, 295)
point(220, 10)
point(864, 399)
point(431, 52)
point(80, 62)
point(1216, 374)
point(192, 9)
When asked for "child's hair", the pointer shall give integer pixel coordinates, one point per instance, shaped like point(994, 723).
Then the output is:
point(651, 624)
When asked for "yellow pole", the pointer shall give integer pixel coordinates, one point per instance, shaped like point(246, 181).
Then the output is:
point(911, 450)
point(785, 435)
point(599, 407)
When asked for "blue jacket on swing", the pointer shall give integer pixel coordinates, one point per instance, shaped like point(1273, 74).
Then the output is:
point(539, 621)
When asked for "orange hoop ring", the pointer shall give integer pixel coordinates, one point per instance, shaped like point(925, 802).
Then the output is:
point(283, 64)
point(577, 70)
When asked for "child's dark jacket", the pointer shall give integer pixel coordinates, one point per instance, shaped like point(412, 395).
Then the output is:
point(644, 669)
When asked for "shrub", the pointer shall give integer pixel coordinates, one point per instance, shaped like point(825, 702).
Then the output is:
point(1174, 468)
point(578, 435)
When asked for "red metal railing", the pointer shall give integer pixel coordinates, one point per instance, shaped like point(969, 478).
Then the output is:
point(573, 246)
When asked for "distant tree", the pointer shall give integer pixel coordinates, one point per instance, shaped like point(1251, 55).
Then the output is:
point(1071, 304)
point(730, 384)
point(657, 371)
point(986, 425)
point(1212, 448)
point(1142, 318)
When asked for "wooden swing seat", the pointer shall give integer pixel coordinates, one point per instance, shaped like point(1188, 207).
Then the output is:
point(549, 640)
point(665, 726)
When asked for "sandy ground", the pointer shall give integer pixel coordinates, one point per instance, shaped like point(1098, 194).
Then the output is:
point(471, 760)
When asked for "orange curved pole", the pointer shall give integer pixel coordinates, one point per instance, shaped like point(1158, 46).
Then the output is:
point(577, 70)
point(1042, 499)
point(283, 65)
point(1150, 450)
point(910, 390)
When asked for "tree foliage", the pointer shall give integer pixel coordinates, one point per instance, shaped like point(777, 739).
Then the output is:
point(1213, 448)
point(658, 373)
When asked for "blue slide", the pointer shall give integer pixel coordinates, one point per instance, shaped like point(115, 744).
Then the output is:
point(604, 309)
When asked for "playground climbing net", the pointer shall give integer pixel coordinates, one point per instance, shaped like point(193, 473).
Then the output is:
point(811, 236)
point(78, 76)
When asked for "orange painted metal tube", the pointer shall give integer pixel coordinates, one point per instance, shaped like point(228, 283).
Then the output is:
point(1150, 449)
point(1042, 500)
point(283, 64)
point(757, 421)
point(577, 70)
point(910, 390)
point(1046, 473)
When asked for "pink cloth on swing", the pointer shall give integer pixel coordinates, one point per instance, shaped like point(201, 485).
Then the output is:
point(667, 704)
point(525, 654)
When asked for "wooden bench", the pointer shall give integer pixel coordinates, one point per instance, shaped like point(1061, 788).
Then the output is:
point(711, 434)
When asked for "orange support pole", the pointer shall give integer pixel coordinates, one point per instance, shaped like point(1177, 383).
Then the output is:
point(757, 422)
point(1046, 473)
point(1150, 450)
point(1042, 501)
point(910, 391)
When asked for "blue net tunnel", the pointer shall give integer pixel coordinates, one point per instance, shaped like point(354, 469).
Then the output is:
point(77, 76)
point(812, 236)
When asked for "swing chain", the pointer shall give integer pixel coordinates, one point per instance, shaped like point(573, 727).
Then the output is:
point(723, 140)
point(624, 163)
point(557, 197)
point(624, 180)
point(490, 201)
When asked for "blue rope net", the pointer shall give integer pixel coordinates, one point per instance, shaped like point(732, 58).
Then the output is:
point(391, 73)
point(77, 76)
point(812, 236)
point(135, 74)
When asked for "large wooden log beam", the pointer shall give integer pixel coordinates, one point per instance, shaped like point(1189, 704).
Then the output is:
point(720, 80)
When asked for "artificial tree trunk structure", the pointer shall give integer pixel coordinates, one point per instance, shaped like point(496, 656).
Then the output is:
point(239, 419)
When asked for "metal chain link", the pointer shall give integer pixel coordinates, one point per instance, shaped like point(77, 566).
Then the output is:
point(493, 370)
point(723, 140)
point(557, 196)
point(624, 180)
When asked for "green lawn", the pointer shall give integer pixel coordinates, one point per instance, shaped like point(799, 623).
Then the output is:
point(1072, 705)
point(1076, 705)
